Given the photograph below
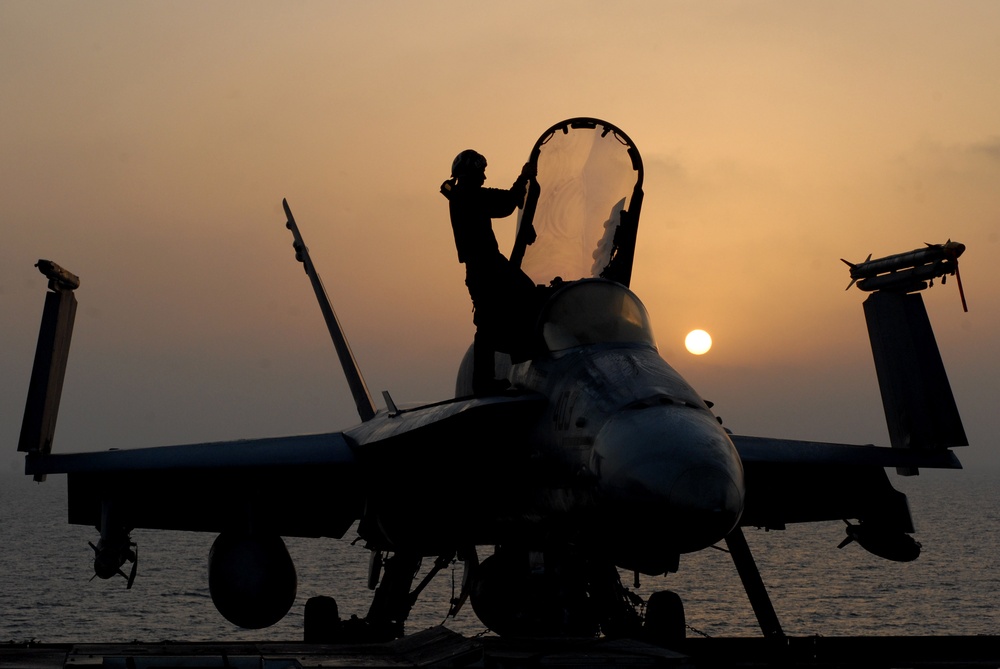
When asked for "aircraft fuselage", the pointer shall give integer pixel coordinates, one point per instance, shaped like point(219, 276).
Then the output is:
point(644, 464)
point(622, 455)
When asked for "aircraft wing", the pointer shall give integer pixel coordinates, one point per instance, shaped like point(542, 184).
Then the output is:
point(789, 481)
point(295, 486)
point(306, 485)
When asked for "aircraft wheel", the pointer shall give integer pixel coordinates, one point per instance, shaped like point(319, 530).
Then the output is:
point(322, 620)
point(513, 602)
point(664, 622)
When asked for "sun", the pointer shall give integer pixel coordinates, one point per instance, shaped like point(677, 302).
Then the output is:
point(698, 342)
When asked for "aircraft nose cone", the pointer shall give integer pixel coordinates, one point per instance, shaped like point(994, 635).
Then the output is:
point(707, 503)
point(668, 475)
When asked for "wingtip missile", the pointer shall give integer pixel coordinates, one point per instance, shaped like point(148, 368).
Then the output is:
point(909, 271)
point(59, 277)
point(852, 266)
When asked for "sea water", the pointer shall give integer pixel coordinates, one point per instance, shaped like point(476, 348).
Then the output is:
point(46, 591)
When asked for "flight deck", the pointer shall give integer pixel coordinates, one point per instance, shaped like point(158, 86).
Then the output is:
point(441, 647)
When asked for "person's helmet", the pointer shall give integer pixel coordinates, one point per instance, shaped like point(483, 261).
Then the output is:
point(468, 162)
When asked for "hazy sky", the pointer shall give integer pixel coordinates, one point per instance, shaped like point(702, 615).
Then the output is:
point(147, 146)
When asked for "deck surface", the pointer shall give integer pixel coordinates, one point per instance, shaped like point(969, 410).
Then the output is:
point(440, 647)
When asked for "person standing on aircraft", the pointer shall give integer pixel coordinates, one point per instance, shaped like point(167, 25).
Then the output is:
point(499, 290)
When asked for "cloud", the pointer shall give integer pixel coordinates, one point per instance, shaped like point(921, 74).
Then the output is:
point(989, 148)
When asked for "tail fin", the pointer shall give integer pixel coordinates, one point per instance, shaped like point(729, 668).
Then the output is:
point(362, 398)
point(920, 409)
point(45, 389)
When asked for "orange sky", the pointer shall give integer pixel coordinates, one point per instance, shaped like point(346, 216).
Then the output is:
point(147, 146)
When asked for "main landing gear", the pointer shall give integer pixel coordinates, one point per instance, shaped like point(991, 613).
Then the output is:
point(522, 593)
point(518, 592)
point(390, 577)
point(515, 592)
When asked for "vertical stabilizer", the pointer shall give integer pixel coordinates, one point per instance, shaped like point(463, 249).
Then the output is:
point(45, 389)
point(920, 410)
point(362, 398)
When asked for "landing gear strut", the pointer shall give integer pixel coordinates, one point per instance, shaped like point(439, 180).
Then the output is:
point(391, 578)
point(753, 584)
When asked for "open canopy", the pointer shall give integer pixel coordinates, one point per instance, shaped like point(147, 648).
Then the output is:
point(583, 205)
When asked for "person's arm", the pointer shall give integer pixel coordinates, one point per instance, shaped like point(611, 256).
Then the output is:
point(520, 186)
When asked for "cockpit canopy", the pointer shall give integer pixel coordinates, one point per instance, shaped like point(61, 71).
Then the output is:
point(582, 206)
point(594, 311)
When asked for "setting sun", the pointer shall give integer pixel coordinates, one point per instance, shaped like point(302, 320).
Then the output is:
point(698, 342)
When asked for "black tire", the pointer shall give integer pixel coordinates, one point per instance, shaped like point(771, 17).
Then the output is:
point(322, 620)
point(664, 622)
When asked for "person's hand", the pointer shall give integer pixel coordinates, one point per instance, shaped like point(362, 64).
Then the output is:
point(529, 171)
point(529, 235)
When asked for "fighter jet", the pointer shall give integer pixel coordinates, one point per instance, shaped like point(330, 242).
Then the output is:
point(599, 459)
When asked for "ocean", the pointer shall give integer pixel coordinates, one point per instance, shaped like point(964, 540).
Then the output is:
point(46, 593)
